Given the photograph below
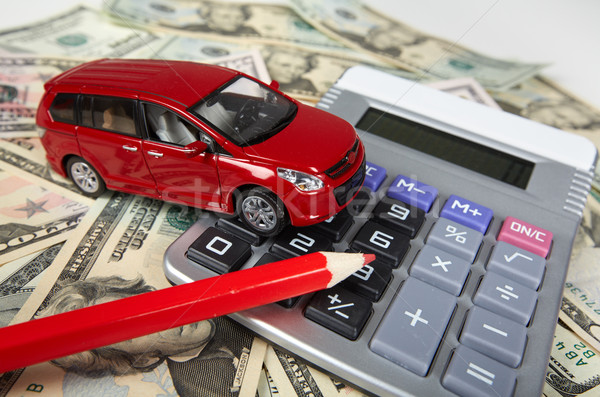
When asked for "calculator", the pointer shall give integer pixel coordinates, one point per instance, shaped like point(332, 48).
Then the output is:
point(471, 213)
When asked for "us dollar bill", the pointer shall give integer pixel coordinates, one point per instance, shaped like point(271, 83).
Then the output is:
point(580, 308)
point(79, 32)
point(26, 157)
point(302, 72)
point(19, 278)
point(545, 101)
point(467, 88)
point(574, 367)
point(289, 376)
point(22, 86)
point(33, 217)
point(117, 252)
point(235, 22)
point(359, 27)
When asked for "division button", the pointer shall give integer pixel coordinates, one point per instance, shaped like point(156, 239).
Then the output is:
point(413, 326)
point(506, 297)
point(471, 374)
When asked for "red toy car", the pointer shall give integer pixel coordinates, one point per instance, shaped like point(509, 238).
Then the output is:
point(201, 135)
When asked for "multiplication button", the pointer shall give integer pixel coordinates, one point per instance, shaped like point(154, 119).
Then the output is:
point(440, 269)
point(413, 326)
point(456, 239)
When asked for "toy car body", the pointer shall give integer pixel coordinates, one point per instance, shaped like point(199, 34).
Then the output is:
point(201, 135)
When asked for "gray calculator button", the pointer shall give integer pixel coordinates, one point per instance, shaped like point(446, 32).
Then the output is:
point(471, 374)
point(495, 336)
point(455, 238)
point(440, 269)
point(411, 330)
point(517, 264)
point(506, 297)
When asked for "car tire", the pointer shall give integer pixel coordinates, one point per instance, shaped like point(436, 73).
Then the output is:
point(85, 177)
point(261, 211)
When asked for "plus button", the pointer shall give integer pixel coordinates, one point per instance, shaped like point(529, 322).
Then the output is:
point(416, 317)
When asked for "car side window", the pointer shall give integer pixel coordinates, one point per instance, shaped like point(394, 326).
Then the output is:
point(165, 126)
point(63, 108)
point(109, 113)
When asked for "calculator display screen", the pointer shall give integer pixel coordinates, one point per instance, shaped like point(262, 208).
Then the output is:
point(485, 160)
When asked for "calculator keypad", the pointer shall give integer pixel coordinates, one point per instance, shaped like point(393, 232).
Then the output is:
point(409, 332)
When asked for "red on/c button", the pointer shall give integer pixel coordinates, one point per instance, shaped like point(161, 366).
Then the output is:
point(526, 236)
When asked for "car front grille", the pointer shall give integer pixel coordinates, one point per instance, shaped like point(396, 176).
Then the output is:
point(344, 164)
point(348, 189)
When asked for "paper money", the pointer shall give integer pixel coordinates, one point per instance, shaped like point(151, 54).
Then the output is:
point(32, 217)
point(574, 368)
point(249, 22)
point(80, 32)
point(292, 377)
point(22, 81)
point(467, 88)
point(19, 278)
point(118, 251)
point(359, 27)
point(26, 157)
point(546, 102)
point(580, 309)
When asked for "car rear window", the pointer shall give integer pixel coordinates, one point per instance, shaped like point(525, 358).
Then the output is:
point(63, 108)
point(109, 113)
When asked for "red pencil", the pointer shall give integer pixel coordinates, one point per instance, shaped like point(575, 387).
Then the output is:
point(67, 333)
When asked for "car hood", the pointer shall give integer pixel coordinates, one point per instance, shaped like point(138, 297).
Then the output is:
point(313, 142)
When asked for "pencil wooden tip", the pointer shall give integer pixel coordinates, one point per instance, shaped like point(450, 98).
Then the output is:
point(368, 258)
point(341, 264)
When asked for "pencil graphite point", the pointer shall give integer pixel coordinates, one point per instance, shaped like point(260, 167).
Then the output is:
point(342, 265)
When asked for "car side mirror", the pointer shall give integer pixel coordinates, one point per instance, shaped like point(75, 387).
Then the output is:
point(195, 148)
point(274, 84)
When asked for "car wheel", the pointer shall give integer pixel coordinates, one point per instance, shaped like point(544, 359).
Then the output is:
point(262, 212)
point(85, 177)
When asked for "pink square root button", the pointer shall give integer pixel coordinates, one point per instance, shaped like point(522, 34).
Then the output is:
point(526, 236)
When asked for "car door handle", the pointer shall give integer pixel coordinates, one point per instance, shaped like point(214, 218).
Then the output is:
point(154, 153)
point(130, 148)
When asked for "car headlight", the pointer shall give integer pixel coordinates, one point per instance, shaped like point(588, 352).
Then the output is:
point(302, 181)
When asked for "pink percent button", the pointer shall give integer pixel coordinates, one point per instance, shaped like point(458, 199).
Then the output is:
point(526, 236)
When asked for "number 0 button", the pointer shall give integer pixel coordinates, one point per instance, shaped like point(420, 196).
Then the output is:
point(219, 251)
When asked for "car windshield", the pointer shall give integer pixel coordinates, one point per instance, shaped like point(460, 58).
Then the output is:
point(246, 112)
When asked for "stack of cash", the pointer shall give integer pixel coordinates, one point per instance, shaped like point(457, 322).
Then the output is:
point(60, 248)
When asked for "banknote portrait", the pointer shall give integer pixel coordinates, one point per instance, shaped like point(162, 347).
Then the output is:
point(202, 357)
point(226, 19)
point(288, 68)
point(567, 115)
